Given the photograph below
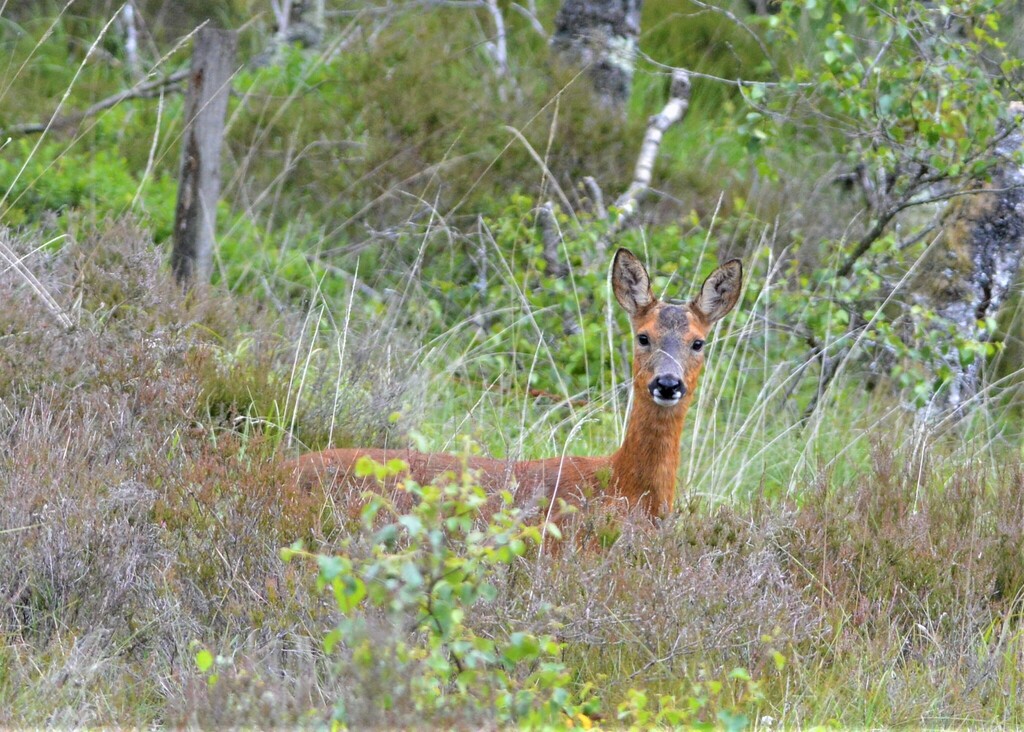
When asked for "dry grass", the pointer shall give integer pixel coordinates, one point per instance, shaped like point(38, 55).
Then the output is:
point(142, 519)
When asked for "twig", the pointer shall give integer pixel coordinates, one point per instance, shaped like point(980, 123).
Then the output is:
point(865, 243)
point(551, 237)
point(596, 197)
point(531, 16)
point(829, 369)
point(139, 91)
point(722, 80)
point(739, 23)
point(8, 255)
point(876, 231)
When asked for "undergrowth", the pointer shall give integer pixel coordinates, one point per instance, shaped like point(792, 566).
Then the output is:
point(145, 506)
point(382, 280)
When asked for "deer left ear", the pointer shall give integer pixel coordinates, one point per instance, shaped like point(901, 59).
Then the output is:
point(720, 291)
point(630, 282)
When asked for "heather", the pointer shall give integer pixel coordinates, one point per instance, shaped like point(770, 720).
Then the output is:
point(841, 552)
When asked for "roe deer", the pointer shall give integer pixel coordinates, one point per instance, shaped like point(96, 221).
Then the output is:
point(641, 475)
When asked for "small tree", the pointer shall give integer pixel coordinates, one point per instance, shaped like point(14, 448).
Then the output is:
point(914, 97)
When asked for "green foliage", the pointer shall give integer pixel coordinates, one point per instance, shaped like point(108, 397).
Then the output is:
point(913, 92)
point(56, 178)
point(380, 274)
point(911, 97)
point(428, 569)
point(708, 705)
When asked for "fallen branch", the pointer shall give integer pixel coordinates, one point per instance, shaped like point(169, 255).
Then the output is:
point(596, 197)
point(551, 237)
point(674, 111)
point(628, 203)
point(142, 90)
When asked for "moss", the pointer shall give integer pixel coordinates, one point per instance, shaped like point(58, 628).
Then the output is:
point(947, 274)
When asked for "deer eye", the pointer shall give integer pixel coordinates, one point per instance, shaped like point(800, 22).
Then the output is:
point(698, 344)
point(643, 340)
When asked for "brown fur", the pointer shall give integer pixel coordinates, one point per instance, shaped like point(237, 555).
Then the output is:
point(640, 475)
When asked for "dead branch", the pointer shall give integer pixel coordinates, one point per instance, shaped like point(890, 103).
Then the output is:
point(629, 202)
point(551, 236)
point(142, 90)
point(596, 197)
point(675, 109)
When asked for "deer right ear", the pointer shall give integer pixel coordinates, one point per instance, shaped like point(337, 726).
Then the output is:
point(630, 282)
point(720, 291)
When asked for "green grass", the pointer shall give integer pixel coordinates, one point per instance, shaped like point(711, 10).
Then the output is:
point(380, 280)
point(870, 555)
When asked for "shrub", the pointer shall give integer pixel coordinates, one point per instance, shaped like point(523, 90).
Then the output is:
point(410, 654)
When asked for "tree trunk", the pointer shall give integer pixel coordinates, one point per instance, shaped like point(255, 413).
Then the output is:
point(764, 7)
point(970, 270)
point(303, 23)
point(206, 105)
point(299, 22)
point(602, 37)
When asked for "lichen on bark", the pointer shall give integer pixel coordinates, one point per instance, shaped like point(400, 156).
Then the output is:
point(600, 36)
point(970, 269)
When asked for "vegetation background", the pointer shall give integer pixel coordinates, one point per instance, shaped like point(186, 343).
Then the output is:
point(848, 548)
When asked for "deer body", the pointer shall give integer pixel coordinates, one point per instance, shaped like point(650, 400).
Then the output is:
point(639, 476)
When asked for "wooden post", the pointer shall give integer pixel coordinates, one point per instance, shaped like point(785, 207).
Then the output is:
point(206, 105)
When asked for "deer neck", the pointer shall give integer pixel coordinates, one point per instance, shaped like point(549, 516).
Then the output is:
point(645, 466)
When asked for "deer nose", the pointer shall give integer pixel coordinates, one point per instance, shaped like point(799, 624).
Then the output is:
point(667, 390)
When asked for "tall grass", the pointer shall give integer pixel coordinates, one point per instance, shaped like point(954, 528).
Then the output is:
point(862, 565)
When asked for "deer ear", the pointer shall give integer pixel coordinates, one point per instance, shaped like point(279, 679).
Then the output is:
point(630, 282)
point(720, 291)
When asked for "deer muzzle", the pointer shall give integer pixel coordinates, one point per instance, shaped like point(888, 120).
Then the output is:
point(667, 390)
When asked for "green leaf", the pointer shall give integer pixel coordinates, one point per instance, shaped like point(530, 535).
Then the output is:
point(332, 639)
point(204, 660)
point(411, 574)
point(740, 674)
point(331, 567)
point(365, 467)
point(521, 646)
point(349, 592)
point(413, 525)
point(396, 467)
point(733, 721)
point(386, 535)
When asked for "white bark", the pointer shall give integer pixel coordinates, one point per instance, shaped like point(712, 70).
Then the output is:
point(131, 39)
point(674, 111)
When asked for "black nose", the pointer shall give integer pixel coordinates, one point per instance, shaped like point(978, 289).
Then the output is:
point(668, 388)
